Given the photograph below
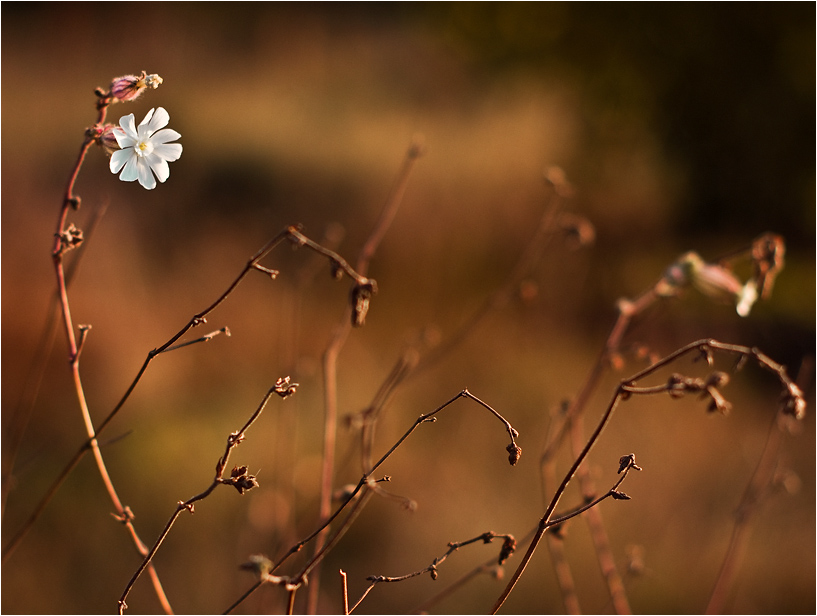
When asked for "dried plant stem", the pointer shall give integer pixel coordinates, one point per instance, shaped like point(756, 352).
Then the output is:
point(369, 417)
point(598, 533)
point(488, 537)
point(65, 239)
point(292, 233)
point(564, 575)
point(491, 565)
point(756, 490)
point(627, 312)
point(283, 389)
point(36, 373)
point(766, 252)
point(360, 495)
point(792, 403)
point(545, 521)
point(345, 593)
point(330, 356)
point(571, 423)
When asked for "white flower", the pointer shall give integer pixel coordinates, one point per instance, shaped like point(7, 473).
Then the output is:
point(746, 298)
point(145, 148)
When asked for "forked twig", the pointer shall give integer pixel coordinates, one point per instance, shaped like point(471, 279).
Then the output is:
point(508, 547)
point(354, 315)
point(357, 500)
point(792, 403)
point(239, 478)
point(766, 254)
point(66, 239)
point(291, 233)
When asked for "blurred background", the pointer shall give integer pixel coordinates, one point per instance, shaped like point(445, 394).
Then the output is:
point(680, 127)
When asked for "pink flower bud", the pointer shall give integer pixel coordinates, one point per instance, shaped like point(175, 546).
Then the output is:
point(129, 87)
point(107, 139)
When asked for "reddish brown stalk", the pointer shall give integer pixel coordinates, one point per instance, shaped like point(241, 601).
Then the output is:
point(238, 479)
point(36, 373)
point(67, 238)
point(293, 234)
point(330, 356)
point(598, 533)
point(357, 500)
point(792, 403)
point(758, 488)
point(766, 253)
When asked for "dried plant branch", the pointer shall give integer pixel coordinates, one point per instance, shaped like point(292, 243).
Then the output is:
point(508, 547)
point(767, 257)
point(626, 463)
point(792, 403)
point(764, 481)
point(354, 316)
point(760, 481)
point(67, 238)
point(367, 419)
point(345, 593)
point(564, 574)
point(358, 497)
point(561, 567)
point(716, 279)
point(239, 478)
point(36, 373)
point(291, 232)
point(204, 338)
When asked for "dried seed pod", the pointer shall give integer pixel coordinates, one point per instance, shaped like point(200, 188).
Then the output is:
point(508, 547)
point(514, 453)
point(619, 495)
point(360, 296)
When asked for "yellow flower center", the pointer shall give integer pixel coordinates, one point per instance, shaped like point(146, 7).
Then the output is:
point(142, 148)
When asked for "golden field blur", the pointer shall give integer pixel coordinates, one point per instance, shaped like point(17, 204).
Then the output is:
point(302, 114)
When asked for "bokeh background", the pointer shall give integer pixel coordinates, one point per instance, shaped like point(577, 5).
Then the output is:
point(680, 126)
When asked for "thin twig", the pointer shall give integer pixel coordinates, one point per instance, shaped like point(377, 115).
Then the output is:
point(345, 593)
point(756, 490)
point(365, 484)
point(353, 315)
point(238, 479)
point(508, 546)
point(65, 240)
point(792, 403)
point(205, 338)
point(36, 373)
point(198, 319)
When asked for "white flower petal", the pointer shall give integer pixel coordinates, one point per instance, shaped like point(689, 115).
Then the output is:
point(169, 151)
point(128, 125)
point(122, 139)
point(747, 298)
point(165, 135)
point(159, 167)
point(129, 172)
point(146, 178)
point(158, 119)
point(119, 158)
point(147, 118)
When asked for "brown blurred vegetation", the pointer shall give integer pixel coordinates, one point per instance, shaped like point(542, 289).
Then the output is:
point(681, 126)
